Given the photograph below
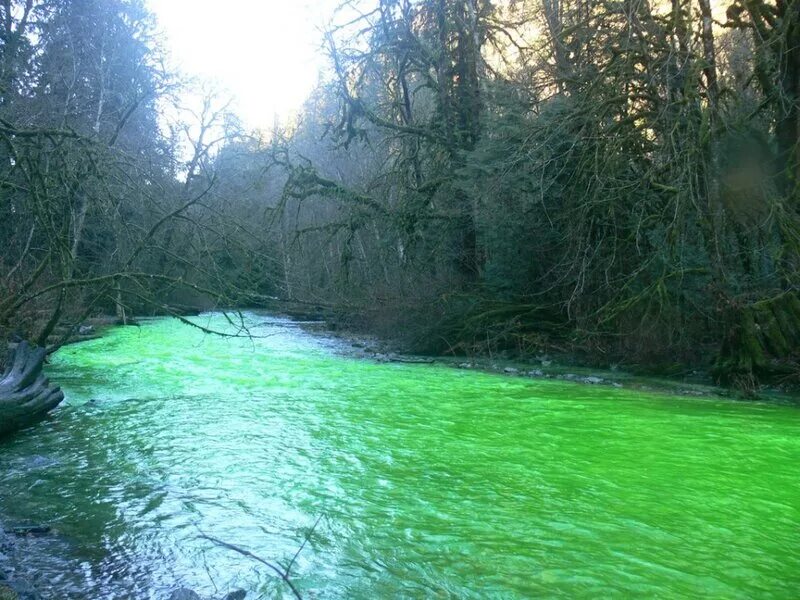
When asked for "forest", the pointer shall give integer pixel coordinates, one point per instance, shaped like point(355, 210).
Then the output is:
point(302, 360)
point(616, 180)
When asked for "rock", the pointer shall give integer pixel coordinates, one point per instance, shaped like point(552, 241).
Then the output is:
point(465, 365)
point(594, 379)
point(184, 594)
point(11, 588)
point(20, 590)
point(409, 359)
point(37, 461)
point(617, 385)
point(31, 530)
point(85, 330)
point(511, 370)
point(692, 393)
point(6, 542)
point(536, 373)
point(236, 595)
point(547, 363)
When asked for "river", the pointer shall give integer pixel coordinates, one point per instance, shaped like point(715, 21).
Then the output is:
point(427, 481)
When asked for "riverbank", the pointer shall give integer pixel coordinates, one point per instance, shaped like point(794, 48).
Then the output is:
point(559, 357)
point(561, 366)
point(18, 579)
point(557, 366)
point(14, 583)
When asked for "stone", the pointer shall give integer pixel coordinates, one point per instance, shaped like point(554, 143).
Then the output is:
point(6, 542)
point(6, 593)
point(236, 595)
point(511, 370)
point(547, 363)
point(536, 373)
point(22, 590)
point(184, 594)
point(31, 530)
point(617, 385)
point(85, 330)
point(594, 379)
point(37, 461)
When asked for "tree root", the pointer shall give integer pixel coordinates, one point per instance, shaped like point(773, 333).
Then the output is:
point(25, 393)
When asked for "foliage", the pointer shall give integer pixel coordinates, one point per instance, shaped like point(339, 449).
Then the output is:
point(619, 172)
point(101, 209)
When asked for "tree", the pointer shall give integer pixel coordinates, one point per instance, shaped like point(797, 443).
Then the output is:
point(604, 175)
point(94, 213)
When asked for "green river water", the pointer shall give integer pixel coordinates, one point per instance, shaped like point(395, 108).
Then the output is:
point(430, 482)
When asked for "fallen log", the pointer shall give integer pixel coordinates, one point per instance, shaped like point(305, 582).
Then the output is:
point(25, 393)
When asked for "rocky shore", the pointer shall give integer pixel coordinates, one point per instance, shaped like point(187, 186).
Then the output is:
point(13, 585)
point(17, 584)
point(559, 367)
point(357, 345)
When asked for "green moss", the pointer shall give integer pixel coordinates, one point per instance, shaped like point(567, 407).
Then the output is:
point(770, 330)
point(750, 352)
point(793, 306)
point(788, 323)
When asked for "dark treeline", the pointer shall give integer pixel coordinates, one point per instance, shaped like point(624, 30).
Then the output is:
point(107, 204)
point(615, 178)
point(619, 177)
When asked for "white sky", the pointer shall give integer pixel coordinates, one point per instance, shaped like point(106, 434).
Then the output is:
point(264, 53)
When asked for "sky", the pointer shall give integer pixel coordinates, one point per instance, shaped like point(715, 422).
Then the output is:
point(264, 53)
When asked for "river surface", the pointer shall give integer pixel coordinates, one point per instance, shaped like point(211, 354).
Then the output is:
point(428, 482)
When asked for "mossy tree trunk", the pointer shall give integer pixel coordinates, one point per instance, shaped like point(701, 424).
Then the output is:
point(763, 339)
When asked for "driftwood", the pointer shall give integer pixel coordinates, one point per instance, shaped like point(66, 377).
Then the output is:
point(25, 393)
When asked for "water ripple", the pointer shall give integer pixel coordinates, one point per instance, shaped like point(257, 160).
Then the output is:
point(431, 482)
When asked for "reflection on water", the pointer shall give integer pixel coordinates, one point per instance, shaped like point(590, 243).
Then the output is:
point(431, 482)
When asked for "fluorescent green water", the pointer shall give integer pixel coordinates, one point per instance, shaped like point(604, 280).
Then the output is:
point(432, 482)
